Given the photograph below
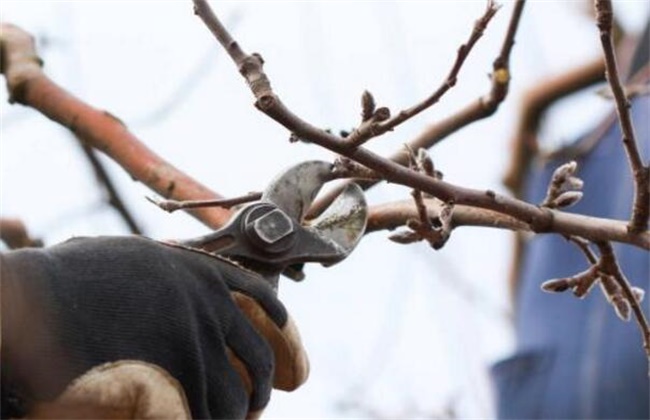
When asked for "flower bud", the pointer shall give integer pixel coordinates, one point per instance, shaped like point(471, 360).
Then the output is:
point(556, 285)
point(566, 199)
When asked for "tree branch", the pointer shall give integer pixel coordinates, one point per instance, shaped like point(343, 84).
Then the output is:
point(480, 108)
point(539, 219)
point(615, 286)
point(380, 127)
point(436, 231)
point(641, 173)
point(486, 105)
point(389, 216)
point(534, 104)
point(226, 203)
point(106, 182)
point(28, 85)
point(610, 265)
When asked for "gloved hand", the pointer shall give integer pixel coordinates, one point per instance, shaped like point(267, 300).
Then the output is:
point(129, 327)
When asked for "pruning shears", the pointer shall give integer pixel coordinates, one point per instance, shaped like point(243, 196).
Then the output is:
point(271, 236)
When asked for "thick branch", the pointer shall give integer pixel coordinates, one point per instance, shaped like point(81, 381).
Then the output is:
point(641, 173)
point(28, 85)
point(539, 219)
point(390, 216)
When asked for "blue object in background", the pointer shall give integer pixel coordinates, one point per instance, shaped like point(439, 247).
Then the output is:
point(576, 358)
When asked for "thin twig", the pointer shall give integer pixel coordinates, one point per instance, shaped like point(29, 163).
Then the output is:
point(610, 265)
point(346, 168)
point(106, 182)
point(486, 105)
point(615, 286)
point(532, 108)
point(583, 245)
point(539, 219)
point(422, 227)
point(27, 84)
point(640, 172)
point(480, 108)
point(226, 203)
point(376, 128)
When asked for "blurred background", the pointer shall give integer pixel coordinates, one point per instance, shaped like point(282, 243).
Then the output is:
point(393, 331)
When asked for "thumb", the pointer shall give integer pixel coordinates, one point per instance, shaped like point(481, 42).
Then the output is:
point(291, 362)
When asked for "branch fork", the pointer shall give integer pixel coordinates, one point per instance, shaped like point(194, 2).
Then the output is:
point(641, 173)
point(617, 289)
point(345, 167)
point(435, 231)
point(371, 118)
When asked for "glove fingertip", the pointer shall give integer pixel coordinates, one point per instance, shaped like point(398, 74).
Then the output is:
point(291, 375)
point(291, 361)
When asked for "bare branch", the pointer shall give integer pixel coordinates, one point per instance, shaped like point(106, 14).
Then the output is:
point(593, 228)
point(611, 267)
point(583, 244)
point(539, 219)
point(171, 206)
point(480, 108)
point(615, 286)
point(346, 168)
point(461, 55)
point(640, 172)
point(614, 295)
point(392, 215)
point(486, 105)
point(106, 182)
point(28, 85)
point(369, 128)
point(533, 106)
point(423, 228)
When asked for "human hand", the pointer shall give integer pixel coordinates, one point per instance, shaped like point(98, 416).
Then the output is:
point(130, 327)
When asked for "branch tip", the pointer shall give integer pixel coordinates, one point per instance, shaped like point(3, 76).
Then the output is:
point(367, 106)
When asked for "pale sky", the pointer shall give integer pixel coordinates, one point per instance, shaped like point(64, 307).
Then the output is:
point(403, 331)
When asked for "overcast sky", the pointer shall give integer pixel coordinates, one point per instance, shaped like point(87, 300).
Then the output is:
point(398, 330)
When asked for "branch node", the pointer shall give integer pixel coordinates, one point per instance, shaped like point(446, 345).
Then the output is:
point(347, 168)
point(501, 76)
point(369, 128)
